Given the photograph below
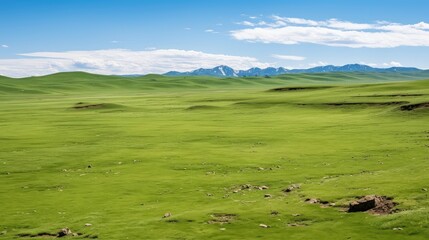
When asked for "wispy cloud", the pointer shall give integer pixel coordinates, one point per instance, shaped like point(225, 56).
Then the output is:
point(4, 46)
point(392, 64)
point(334, 32)
point(210, 31)
point(317, 64)
point(383, 65)
point(121, 61)
point(288, 57)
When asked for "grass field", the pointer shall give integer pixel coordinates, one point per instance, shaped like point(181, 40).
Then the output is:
point(119, 153)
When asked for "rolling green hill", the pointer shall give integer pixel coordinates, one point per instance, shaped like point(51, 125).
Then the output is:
point(119, 153)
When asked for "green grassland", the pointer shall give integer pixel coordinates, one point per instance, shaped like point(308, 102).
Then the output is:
point(119, 153)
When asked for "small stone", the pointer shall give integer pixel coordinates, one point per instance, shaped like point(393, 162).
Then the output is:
point(64, 232)
point(312, 200)
point(167, 215)
point(263, 225)
point(424, 189)
point(397, 229)
point(222, 229)
point(88, 224)
point(263, 187)
point(291, 188)
point(268, 196)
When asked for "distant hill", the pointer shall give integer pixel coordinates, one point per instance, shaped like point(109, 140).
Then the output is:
point(225, 71)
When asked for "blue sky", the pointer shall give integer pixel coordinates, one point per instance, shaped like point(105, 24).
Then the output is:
point(136, 37)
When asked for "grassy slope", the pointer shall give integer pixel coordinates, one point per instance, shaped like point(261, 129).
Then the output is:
point(176, 145)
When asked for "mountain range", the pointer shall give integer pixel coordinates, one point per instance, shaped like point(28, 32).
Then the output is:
point(225, 71)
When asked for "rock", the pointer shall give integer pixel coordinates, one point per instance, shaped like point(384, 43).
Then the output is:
point(268, 196)
point(88, 224)
point(397, 229)
point(377, 204)
point(263, 187)
point(275, 213)
point(64, 232)
point(291, 188)
point(312, 200)
point(263, 225)
point(424, 189)
point(222, 229)
point(166, 215)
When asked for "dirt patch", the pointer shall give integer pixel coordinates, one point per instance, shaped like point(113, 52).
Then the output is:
point(64, 232)
point(201, 107)
point(38, 235)
point(412, 107)
point(345, 104)
point(394, 95)
point(374, 204)
point(285, 89)
point(322, 203)
point(88, 106)
point(222, 218)
point(298, 224)
point(248, 187)
point(96, 106)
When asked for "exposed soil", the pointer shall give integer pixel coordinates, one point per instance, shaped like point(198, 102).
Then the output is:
point(284, 89)
point(374, 204)
point(339, 104)
point(248, 187)
point(87, 106)
point(317, 201)
point(38, 235)
point(201, 107)
point(412, 107)
point(394, 95)
point(65, 232)
point(222, 218)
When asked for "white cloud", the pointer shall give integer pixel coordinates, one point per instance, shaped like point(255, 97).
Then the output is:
point(392, 64)
point(114, 41)
point(4, 46)
point(121, 61)
point(187, 28)
point(288, 57)
point(317, 64)
point(210, 31)
point(334, 32)
point(246, 23)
